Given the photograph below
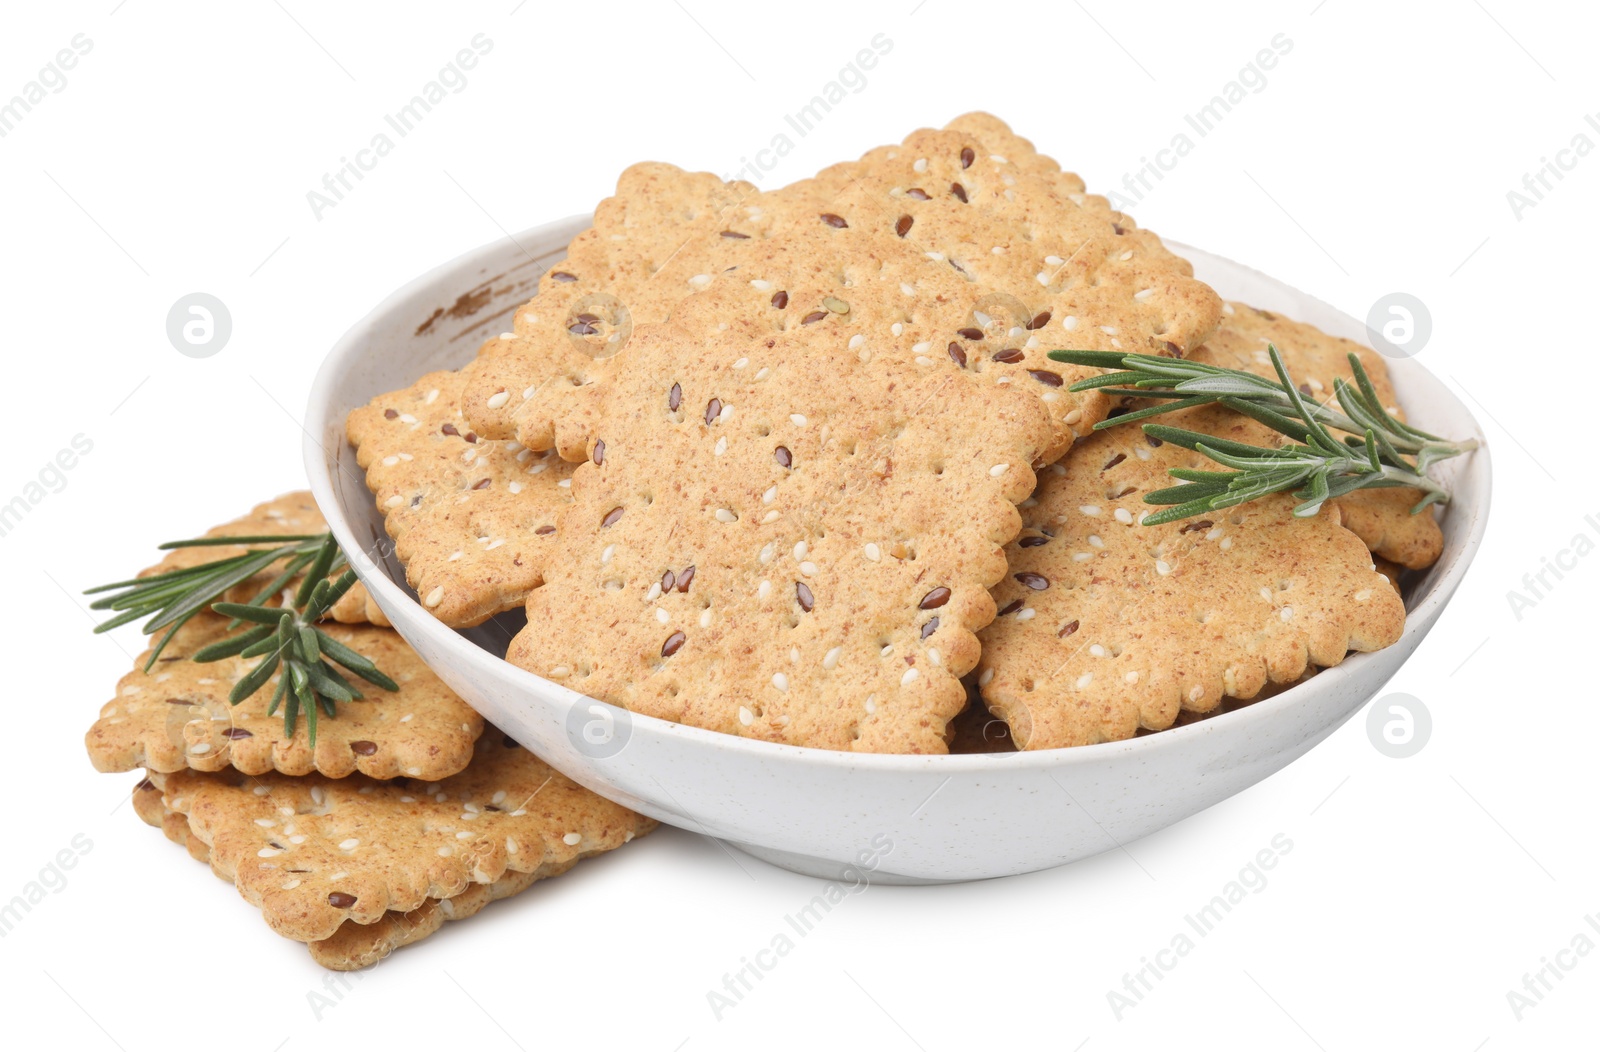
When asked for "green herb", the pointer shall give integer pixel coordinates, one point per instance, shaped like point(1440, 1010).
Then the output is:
point(284, 637)
point(1375, 451)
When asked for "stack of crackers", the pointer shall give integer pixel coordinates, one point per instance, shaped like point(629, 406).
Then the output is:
point(794, 465)
point(410, 811)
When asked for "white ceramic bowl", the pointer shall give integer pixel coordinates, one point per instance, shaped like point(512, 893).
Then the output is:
point(908, 819)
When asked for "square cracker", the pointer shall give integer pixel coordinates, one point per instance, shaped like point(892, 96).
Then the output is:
point(588, 304)
point(354, 946)
point(791, 513)
point(177, 716)
point(292, 513)
point(1044, 260)
point(1107, 626)
point(473, 520)
point(1380, 517)
point(314, 853)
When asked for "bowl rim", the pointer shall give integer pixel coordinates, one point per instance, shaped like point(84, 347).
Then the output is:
point(320, 410)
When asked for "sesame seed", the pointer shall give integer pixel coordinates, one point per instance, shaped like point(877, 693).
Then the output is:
point(770, 495)
point(390, 462)
point(726, 515)
point(705, 618)
point(797, 420)
point(998, 470)
point(511, 845)
point(349, 844)
point(572, 839)
point(1266, 593)
point(758, 283)
point(463, 834)
point(871, 552)
point(200, 749)
point(741, 363)
point(722, 445)
point(809, 569)
point(763, 589)
point(1082, 557)
point(605, 556)
point(934, 656)
point(1026, 613)
point(985, 676)
point(1073, 417)
point(1363, 595)
point(1144, 294)
point(1131, 677)
point(498, 399)
point(1213, 534)
point(871, 704)
point(1126, 255)
point(662, 615)
point(654, 593)
point(909, 677)
point(1286, 613)
point(265, 823)
point(1163, 567)
point(1084, 680)
point(268, 852)
point(527, 392)
point(394, 501)
point(1097, 650)
point(1226, 543)
point(830, 660)
point(700, 281)
point(434, 597)
point(746, 717)
point(1124, 516)
point(560, 672)
point(446, 851)
point(1095, 541)
point(772, 516)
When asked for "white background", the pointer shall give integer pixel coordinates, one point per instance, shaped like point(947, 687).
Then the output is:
point(1377, 158)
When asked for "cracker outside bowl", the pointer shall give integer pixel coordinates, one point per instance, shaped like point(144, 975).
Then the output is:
point(894, 819)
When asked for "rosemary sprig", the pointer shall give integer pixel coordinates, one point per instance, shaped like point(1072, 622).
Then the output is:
point(1376, 450)
point(284, 637)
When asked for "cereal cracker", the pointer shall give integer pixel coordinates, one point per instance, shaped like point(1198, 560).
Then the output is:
point(792, 506)
point(177, 716)
point(1044, 263)
point(313, 853)
point(1107, 626)
point(354, 945)
point(473, 519)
